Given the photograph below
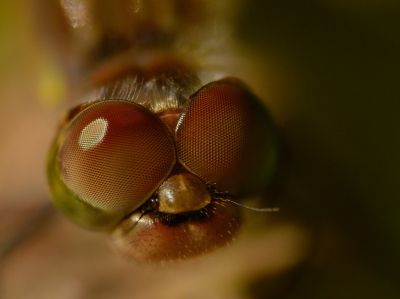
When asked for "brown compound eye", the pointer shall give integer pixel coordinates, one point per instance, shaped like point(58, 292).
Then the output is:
point(226, 136)
point(113, 156)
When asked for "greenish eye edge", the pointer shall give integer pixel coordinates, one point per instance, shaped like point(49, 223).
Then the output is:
point(71, 204)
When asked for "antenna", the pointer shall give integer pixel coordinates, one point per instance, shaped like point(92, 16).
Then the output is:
point(145, 210)
point(253, 209)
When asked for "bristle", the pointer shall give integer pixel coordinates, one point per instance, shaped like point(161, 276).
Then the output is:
point(157, 94)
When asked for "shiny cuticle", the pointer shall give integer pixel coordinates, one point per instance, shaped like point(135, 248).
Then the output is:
point(183, 192)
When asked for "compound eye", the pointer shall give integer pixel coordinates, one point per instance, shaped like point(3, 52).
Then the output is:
point(226, 136)
point(114, 155)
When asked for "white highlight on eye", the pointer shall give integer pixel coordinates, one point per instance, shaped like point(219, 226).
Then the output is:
point(93, 133)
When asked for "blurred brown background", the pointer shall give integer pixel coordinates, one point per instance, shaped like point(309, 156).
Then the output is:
point(329, 71)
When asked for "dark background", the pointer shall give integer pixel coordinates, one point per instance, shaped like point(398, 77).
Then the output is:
point(336, 73)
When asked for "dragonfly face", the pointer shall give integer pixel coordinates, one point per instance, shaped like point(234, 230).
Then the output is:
point(151, 145)
point(115, 158)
